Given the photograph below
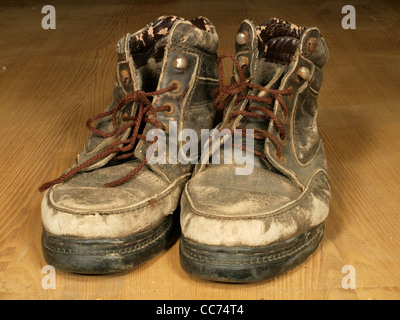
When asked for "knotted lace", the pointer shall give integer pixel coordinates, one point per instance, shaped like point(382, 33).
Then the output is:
point(224, 93)
point(146, 113)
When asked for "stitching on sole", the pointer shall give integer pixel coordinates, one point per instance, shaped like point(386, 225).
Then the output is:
point(191, 255)
point(126, 250)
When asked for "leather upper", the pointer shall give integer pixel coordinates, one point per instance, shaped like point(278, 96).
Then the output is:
point(284, 195)
point(147, 61)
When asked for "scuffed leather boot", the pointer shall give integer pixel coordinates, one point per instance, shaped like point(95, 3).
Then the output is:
point(243, 228)
point(113, 209)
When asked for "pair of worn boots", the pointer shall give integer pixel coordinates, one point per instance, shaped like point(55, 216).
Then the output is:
point(149, 172)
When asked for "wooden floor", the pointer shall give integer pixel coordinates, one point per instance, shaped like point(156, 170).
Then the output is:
point(51, 81)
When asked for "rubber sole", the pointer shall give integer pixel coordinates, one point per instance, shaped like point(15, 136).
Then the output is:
point(102, 256)
point(247, 264)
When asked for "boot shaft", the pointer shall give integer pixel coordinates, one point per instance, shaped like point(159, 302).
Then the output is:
point(169, 51)
point(282, 57)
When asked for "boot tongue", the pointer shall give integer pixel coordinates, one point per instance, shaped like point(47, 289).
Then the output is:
point(276, 73)
point(150, 42)
point(264, 53)
point(146, 49)
point(147, 46)
point(260, 49)
point(278, 40)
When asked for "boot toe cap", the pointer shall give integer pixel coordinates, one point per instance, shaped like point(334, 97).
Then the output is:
point(83, 207)
point(254, 210)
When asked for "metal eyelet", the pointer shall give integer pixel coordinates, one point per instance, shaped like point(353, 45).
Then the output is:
point(290, 95)
point(180, 63)
point(280, 158)
point(125, 76)
point(243, 61)
point(177, 85)
point(282, 141)
point(123, 118)
point(303, 73)
point(165, 126)
point(242, 38)
point(312, 44)
point(171, 109)
point(284, 118)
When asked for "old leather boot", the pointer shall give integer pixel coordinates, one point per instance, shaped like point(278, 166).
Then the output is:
point(113, 209)
point(252, 226)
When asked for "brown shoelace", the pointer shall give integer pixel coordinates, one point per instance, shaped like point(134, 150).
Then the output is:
point(224, 94)
point(146, 113)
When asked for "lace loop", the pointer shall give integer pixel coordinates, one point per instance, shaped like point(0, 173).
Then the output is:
point(225, 93)
point(146, 113)
point(231, 89)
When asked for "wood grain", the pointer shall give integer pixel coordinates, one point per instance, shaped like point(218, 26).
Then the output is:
point(51, 81)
